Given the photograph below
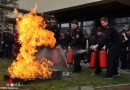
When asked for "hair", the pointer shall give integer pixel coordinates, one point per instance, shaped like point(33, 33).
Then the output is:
point(99, 29)
point(52, 17)
point(104, 19)
point(75, 22)
point(128, 30)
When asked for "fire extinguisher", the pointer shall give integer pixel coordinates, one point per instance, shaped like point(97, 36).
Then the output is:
point(103, 58)
point(92, 60)
point(70, 56)
point(55, 55)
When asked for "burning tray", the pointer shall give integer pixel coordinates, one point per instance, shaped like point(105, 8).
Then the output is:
point(57, 75)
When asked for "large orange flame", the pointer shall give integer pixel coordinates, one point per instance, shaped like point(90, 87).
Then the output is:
point(32, 35)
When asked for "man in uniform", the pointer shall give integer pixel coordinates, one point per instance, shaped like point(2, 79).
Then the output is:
point(65, 39)
point(76, 40)
point(123, 50)
point(54, 28)
point(111, 37)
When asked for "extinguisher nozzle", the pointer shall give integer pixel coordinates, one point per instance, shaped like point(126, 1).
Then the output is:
point(82, 51)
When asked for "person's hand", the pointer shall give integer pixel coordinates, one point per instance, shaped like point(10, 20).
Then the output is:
point(77, 36)
point(57, 46)
point(104, 47)
point(127, 49)
point(91, 46)
point(123, 34)
point(95, 50)
point(95, 47)
point(69, 47)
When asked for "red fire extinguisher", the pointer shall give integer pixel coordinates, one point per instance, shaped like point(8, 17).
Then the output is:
point(92, 60)
point(55, 55)
point(103, 58)
point(70, 56)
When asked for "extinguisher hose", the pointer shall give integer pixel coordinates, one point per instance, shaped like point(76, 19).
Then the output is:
point(63, 55)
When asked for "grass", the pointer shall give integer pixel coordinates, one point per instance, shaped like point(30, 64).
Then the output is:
point(74, 80)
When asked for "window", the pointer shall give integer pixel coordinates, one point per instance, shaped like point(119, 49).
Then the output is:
point(88, 27)
point(64, 27)
point(121, 23)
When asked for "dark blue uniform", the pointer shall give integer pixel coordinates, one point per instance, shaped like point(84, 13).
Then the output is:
point(93, 41)
point(65, 39)
point(123, 53)
point(56, 32)
point(8, 44)
point(128, 64)
point(112, 37)
point(76, 40)
point(98, 68)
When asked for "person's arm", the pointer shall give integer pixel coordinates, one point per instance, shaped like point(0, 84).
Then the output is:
point(58, 36)
point(103, 40)
point(95, 47)
point(104, 47)
point(125, 37)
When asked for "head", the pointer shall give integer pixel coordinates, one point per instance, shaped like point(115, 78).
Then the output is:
point(99, 32)
point(74, 24)
point(128, 32)
point(123, 31)
point(104, 21)
point(52, 22)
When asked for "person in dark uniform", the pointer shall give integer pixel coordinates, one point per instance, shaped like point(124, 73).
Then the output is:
point(110, 36)
point(98, 37)
point(123, 50)
point(65, 39)
point(128, 49)
point(91, 41)
point(52, 26)
point(76, 40)
point(8, 39)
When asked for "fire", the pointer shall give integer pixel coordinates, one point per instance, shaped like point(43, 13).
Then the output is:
point(32, 35)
